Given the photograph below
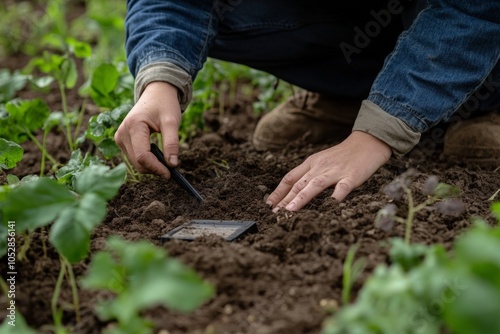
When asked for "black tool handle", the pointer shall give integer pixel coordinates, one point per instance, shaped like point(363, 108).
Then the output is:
point(176, 175)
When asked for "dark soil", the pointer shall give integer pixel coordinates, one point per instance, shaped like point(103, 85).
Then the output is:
point(277, 280)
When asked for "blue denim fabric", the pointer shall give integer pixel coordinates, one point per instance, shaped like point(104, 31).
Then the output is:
point(436, 65)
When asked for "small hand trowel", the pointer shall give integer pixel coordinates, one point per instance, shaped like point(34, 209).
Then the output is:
point(227, 229)
point(176, 175)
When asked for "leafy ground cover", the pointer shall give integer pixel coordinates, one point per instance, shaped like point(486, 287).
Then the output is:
point(399, 255)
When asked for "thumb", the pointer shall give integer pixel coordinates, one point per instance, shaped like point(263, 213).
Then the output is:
point(171, 146)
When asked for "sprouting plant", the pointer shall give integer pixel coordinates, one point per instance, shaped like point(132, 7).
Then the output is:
point(439, 196)
point(62, 69)
point(434, 293)
point(19, 119)
point(141, 276)
point(351, 272)
point(74, 212)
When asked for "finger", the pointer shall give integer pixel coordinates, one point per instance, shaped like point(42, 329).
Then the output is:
point(170, 137)
point(286, 184)
point(312, 189)
point(140, 151)
point(342, 189)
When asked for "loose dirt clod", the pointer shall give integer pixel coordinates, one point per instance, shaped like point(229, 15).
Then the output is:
point(155, 210)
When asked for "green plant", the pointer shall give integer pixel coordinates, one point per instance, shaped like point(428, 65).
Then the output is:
point(75, 213)
point(141, 276)
point(439, 196)
point(352, 270)
point(19, 119)
point(10, 154)
point(438, 292)
point(10, 83)
point(62, 69)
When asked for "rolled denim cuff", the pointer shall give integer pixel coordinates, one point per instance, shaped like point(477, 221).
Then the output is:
point(389, 129)
point(166, 72)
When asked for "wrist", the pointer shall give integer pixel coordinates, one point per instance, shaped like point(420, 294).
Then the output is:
point(372, 144)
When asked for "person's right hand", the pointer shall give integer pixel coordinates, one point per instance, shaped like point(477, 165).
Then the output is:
point(157, 110)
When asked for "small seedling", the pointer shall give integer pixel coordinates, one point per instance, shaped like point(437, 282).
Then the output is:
point(352, 270)
point(142, 276)
point(439, 196)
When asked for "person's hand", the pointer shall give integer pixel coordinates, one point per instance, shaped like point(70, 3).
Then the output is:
point(157, 110)
point(346, 165)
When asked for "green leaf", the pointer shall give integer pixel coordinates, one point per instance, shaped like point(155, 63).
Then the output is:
point(37, 203)
point(22, 116)
point(109, 148)
point(10, 84)
point(495, 209)
point(100, 180)
point(69, 73)
point(70, 234)
point(75, 166)
point(105, 79)
point(104, 273)
point(143, 276)
point(444, 190)
point(10, 154)
point(80, 49)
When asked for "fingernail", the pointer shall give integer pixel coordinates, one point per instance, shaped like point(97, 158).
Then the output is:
point(276, 209)
point(269, 203)
point(173, 159)
point(291, 206)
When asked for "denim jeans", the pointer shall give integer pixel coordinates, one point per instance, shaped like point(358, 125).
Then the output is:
point(343, 49)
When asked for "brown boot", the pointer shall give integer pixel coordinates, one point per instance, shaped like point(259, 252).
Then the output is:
point(311, 117)
point(475, 141)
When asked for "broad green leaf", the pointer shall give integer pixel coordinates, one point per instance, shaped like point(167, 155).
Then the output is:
point(70, 233)
point(75, 166)
point(37, 203)
point(109, 148)
point(105, 79)
point(43, 82)
point(21, 116)
point(104, 273)
point(12, 179)
point(100, 180)
point(80, 49)
point(10, 154)
point(143, 276)
point(69, 73)
point(3, 234)
point(10, 84)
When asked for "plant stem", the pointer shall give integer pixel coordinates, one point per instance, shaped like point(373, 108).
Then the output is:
point(42, 161)
point(69, 137)
point(80, 118)
point(55, 296)
point(25, 246)
point(409, 217)
point(44, 246)
point(41, 148)
point(74, 288)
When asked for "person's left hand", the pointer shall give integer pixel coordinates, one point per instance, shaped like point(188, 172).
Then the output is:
point(346, 165)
